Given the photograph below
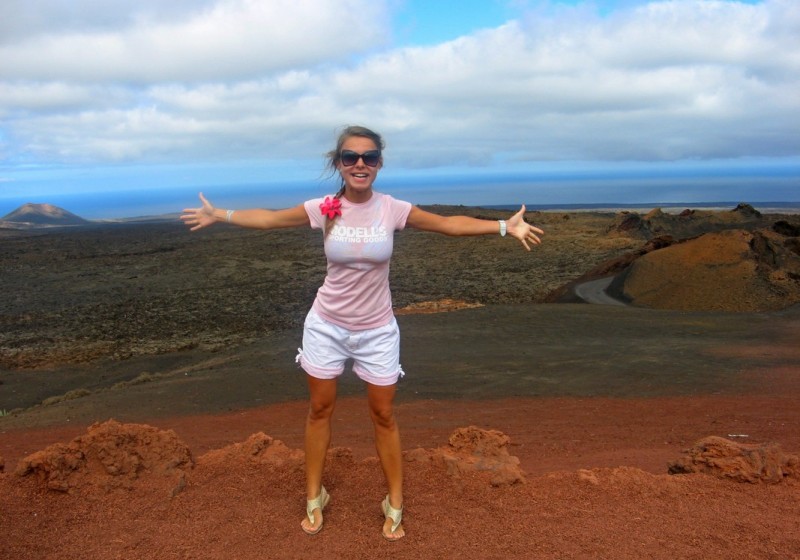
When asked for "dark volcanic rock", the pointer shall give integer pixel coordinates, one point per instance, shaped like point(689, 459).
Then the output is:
point(793, 244)
point(783, 227)
point(747, 210)
point(629, 223)
point(689, 223)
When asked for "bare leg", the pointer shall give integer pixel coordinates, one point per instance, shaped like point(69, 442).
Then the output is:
point(387, 442)
point(317, 438)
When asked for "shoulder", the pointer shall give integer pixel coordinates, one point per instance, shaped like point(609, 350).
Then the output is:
point(317, 201)
point(392, 201)
point(393, 209)
point(313, 205)
point(315, 215)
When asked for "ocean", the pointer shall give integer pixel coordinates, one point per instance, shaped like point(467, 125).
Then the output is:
point(587, 195)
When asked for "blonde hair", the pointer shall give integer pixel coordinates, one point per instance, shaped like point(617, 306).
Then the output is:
point(334, 157)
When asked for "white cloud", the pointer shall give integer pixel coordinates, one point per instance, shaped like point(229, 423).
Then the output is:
point(227, 40)
point(247, 79)
point(23, 19)
point(664, 81)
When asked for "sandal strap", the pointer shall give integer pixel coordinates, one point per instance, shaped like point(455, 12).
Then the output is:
point(317, 503)
point(396, 515)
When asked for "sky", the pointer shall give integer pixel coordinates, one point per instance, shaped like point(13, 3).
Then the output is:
point(123, 108)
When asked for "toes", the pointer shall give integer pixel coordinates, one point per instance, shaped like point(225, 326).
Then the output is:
point(398, 534)
point(309, 527)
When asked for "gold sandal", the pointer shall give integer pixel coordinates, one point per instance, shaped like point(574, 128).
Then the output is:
point(396, 515)
point(317, 503)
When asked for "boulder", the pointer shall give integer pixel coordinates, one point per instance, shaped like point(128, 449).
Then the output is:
point(785, 228)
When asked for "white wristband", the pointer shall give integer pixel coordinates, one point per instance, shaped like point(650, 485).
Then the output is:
point(228, 215)
point(502, 228)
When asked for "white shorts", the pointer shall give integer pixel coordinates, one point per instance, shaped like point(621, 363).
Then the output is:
point(326, 347)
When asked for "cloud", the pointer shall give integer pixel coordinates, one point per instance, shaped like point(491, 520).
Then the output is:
point(226, 40)
point(244, 79)
point(663, 81)
point(21, 19)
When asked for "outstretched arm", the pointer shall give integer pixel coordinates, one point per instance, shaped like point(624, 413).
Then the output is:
point(256, 218)
point(516, 226)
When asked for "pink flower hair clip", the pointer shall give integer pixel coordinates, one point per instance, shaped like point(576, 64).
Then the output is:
point(331, 208)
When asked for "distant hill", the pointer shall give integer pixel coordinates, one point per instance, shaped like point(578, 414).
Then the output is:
point(40, 215)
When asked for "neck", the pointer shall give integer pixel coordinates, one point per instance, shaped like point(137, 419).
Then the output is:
point(357, 197)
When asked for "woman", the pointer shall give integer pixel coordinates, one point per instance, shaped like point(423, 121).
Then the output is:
point(352, 314)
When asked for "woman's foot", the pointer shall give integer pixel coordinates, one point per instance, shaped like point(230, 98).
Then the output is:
point(312, 523)
point(395, 535)
point(392, 526)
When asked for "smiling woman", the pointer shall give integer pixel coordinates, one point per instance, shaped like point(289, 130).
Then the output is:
point(352, 317)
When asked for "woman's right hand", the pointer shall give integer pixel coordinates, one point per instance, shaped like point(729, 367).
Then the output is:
point(201, 217)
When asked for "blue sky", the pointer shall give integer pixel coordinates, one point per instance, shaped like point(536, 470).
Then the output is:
point(124, 108)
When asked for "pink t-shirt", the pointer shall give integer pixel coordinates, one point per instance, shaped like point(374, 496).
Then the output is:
point(355, 294)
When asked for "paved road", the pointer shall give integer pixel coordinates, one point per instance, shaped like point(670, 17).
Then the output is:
point(595, 292)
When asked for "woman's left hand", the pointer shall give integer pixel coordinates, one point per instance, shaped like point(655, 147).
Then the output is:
point(199, 217)
point(518, 228)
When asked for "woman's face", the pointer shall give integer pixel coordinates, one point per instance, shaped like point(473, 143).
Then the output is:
point(358, 178)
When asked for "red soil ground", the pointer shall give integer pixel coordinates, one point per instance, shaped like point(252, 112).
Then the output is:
point(596, 485)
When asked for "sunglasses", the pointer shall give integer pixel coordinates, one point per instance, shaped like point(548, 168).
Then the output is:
point(370, 158)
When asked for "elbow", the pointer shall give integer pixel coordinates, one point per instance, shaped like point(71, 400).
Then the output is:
point(453, 228)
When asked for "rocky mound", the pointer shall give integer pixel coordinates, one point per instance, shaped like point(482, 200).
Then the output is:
point(111, 455)
point(473, 450)
point(732, 270)
point(258, 449)
point(740, 462)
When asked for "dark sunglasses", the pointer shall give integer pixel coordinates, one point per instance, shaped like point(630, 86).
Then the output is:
point(370, 158)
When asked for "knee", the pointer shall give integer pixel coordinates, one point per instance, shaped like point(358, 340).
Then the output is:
point(383, 416)
point(320, 411)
